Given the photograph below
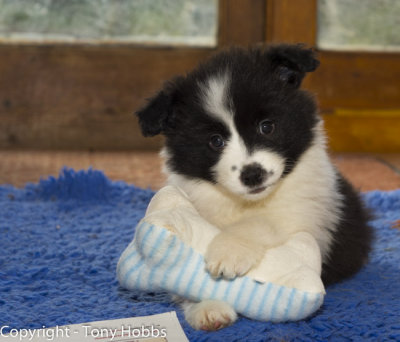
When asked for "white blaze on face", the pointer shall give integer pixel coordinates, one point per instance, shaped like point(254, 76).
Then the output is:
point(215, 96)
point(235, 155)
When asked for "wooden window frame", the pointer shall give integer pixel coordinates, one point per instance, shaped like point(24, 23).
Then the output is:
point(77, 96)
point(358, 91)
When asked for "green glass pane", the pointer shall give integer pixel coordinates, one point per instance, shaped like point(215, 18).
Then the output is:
point(360, 25)
point(140, 21)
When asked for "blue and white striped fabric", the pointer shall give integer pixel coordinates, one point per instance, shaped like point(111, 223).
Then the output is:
point(158, 260)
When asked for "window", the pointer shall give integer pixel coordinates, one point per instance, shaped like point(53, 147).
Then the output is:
point(357, 90)
point(77, 82)
point(75, 95)
point(176, 22)
point(370, 25)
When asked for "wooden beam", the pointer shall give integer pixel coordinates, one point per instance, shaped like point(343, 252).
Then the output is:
point(291, 21)
point(363, 134)
point(82, 97)
point(241, 22)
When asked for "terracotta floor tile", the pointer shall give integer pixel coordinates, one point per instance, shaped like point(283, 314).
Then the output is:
point(366, 172)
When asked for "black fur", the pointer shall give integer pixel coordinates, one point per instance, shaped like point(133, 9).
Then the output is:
point(153, 118)
point(352, 240)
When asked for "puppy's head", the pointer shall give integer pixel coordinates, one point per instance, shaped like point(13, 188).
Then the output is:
point(239, 120)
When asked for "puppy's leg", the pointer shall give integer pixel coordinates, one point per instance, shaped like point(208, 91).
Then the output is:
point(171, 208)
point(240, 247)
point(208, 314)
point(296, 264)
point(229, 256)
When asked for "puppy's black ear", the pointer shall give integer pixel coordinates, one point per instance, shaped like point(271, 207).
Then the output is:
point(153, 117)
point(291, 62)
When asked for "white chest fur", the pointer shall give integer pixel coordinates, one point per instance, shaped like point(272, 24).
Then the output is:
point(305, 200)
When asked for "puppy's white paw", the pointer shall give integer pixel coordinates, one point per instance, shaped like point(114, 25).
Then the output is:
point(229, 257)
point(209, 314)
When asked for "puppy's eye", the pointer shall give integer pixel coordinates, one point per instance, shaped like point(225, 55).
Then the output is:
point(266, 127)
point(216, 142)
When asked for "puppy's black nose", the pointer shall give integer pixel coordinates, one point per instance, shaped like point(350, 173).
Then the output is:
point(253, 175)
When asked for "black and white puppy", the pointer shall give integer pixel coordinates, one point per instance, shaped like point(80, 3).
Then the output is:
point(248, 147)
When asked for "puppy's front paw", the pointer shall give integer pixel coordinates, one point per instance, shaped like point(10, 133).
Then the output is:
point(209, 315)
point(229, 257)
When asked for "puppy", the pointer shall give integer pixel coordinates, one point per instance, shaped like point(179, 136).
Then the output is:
point(248, 147)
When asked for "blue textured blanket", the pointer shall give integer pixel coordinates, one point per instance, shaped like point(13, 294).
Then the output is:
point(61, 240)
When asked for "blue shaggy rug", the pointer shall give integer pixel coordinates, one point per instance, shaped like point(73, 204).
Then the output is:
point(61, 240)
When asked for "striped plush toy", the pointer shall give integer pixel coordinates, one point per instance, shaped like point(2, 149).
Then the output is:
point(167, 254)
